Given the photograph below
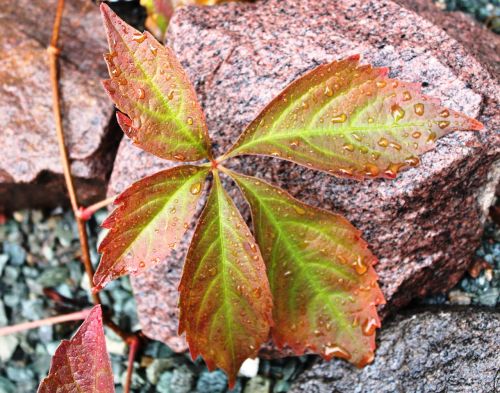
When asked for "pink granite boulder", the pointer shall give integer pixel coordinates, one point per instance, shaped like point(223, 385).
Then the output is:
point(425, 225)
point(30, 170)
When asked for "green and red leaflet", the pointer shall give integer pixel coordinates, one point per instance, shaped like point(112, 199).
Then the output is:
point(350, 120)
point(158, 104)
point(321, 275)
point(225, 301)
point(308, 279)
point(150, 219)
point(81, 364)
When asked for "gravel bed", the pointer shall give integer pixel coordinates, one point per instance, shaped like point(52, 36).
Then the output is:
point(40, 251)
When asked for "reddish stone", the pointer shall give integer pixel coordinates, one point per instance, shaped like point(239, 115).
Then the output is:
point(425, 225)
point(30, 170)
point(474, 36)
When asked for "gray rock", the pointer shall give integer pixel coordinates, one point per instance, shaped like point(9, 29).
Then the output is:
point(3, 317)
point(157, 367)
point(163, 385)
point(53, 276)
point(10, 275)
point(20, 374)
point(182, 380)
point(8, 345)
point(450, 351)
point(490, 297)
point(32, 309)
point(16, 253)
point(258, 384)
point(6, 386)
point(46, 333)
point(212, 382)
point(137, 380)
point(281, 386)
point(3, 261)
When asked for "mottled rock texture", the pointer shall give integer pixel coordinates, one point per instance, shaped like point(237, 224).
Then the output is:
point(445, 351)
point(425, 225)
point(30, 170)
point(474, 36)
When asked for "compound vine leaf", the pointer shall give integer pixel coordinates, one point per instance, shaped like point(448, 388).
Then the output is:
point(350, 120)
point(321, 275)
point(158, 104)
point(81, 364)
point(225, 301)
point(150, 219)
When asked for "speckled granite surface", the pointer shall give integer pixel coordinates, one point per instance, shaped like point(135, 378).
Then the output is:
point(435, 351)
point(30, 168)
point(425, 225)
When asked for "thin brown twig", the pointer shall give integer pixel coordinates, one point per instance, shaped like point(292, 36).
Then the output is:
point(53, 51)
point(75, 316)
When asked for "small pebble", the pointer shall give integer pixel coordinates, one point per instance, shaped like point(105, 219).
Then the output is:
point(8, 345)
point(249, 368)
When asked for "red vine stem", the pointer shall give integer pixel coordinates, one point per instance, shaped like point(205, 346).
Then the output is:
point(134, 343)
point(84, 213)
point(80, 214)
point(48, 321)
point(54, 51)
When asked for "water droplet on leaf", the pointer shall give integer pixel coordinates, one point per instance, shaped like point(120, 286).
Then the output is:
point(419, 109)
point(359, 266)
point(336, 351)
point(383, 142)
point(397, 112)
point(340, 118)
point(348, 147)
point(195, 188)
point(443, 124)
point(369, 326)
point(412, 161)
point(139, 37)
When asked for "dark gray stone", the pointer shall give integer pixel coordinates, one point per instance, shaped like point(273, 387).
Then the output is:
point(453, 351)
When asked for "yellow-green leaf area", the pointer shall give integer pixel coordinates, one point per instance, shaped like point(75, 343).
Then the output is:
point(225, 301)
point(158, 106)
point(350, 120)
point(149, 221)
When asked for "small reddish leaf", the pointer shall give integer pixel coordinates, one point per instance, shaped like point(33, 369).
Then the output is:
point(350, 120)
point(82, 363)
point(225, 302)
point(159, 14)
point(321, 276)
point(161, 113)
point(151, 218)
